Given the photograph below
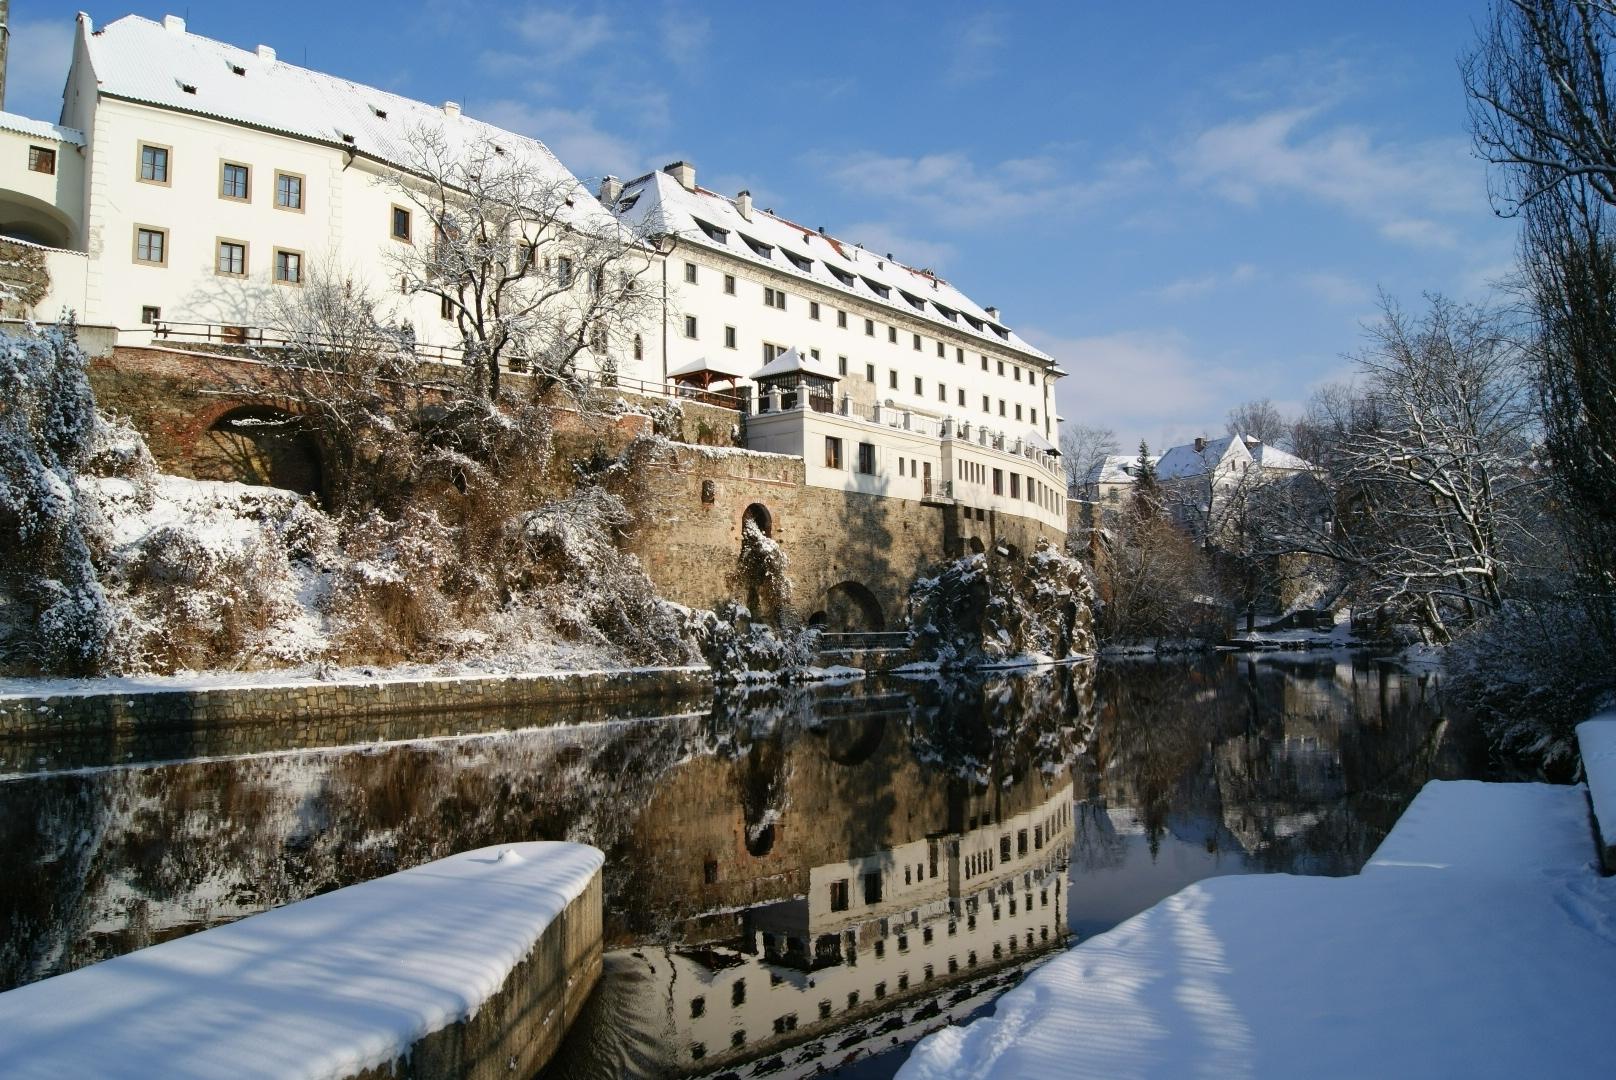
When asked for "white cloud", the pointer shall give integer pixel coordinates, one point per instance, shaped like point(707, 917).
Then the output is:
point(560, 36)
point(977, 44)
point(37, 58)
point(1335, 288)
point(883, 238)
point(950, 188)
point(1144, 384)
point(1193, 288)
point(581, 144)
point(684, 38)
point(1399, 187)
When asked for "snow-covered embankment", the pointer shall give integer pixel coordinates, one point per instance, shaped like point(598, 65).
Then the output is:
point(1479, 941)
point(472, 963)
point(1596, 741)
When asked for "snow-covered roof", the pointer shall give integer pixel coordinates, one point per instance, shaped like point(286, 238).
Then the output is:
point(40, 129)
point(1035, 438)
point(701, 364)
point(711, 220)
point(160, 63)
point(1114, 469)
point(789, 363)
point(1181, 461)
point(1272, 457)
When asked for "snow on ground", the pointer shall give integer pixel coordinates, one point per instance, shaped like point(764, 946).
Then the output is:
point(323, 988)
point(1479, 942)
point(1596, 739)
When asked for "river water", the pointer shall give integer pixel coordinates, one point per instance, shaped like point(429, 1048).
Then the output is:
point(796, 880)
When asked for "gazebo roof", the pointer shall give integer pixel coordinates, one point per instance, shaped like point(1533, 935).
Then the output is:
point(714, 369)
point(792, 362)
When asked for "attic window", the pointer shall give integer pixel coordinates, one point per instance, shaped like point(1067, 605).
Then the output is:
point(381, 114)
point(189, 88)
point(841, 275)
point(878, 289)
point(1001, 331)
point(714, 233)
point(347, 138)
point(976, 324)
point(627, 201)
point(806, 265)
point(238, 69)
point(762, 250)
point(499, 151)
point(948, 313)
point(914, 301)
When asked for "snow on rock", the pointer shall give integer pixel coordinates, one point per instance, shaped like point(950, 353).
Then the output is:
point(1596, 739)
point(1479, 942)
point(326, 987)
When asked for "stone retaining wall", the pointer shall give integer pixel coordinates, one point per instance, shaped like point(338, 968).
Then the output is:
point(69, 730)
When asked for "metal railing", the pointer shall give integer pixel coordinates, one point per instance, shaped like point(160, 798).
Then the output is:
point(259, 337)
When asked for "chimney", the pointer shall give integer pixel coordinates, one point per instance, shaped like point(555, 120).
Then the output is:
point(174, 24)
point(684, 172)
point(992, 313)
point(743, 203)
point(451, 108)
point(611, 189)
point(266, 54)
point(1200, 443)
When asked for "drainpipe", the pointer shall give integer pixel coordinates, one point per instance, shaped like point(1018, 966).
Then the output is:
point(5, 46)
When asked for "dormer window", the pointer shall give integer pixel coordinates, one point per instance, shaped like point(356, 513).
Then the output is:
point(841, 275)
point(381, 114)
point(347, 138)
point(878, 289)
point(189, 88)
point(714, 233)
point(914, 301)
point(806, 265)
point(759, 248)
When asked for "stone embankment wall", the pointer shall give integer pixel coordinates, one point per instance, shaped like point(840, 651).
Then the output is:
point(69, 730)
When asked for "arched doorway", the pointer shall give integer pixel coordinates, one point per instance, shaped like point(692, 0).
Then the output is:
point(261, 445)
point(850, 606)
point(759, 515)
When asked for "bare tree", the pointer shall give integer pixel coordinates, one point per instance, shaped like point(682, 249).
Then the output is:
point(532, 272)
point(1084, 448)
point(1260, 419)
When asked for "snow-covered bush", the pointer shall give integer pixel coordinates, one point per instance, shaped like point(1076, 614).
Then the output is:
point(983, 608)
point(762, 573)
point(740, 647)
point(390, 598)
point(49, 429)
point(1531, 673)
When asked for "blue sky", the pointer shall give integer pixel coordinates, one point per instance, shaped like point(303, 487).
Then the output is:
point(1190, 204)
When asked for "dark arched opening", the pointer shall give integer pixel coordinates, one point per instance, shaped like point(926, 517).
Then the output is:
point(975, 544)
point(850, 606)
point(759, 515)
point(261, 445)
point(852, 740)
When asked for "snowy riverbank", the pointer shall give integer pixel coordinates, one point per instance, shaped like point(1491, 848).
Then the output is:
point(1479, 941)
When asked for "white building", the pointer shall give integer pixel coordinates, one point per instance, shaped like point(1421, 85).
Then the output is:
point(912, 389)
point(189, 179)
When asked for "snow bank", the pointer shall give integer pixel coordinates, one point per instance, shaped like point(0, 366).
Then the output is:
point(1596, 739)
point(1479, 942)
point(326, 987)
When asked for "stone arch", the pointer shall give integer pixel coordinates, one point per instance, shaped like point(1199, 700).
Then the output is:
point(974, 545)
point(262, 445)
point(34, 221)
point(851, 606)
point(759, 515)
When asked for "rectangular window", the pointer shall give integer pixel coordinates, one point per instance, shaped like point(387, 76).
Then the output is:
point(986, 406)
point(942, 392)
point(232, 258)
point(737, 992)
point(151, 245)
point(940, 350)
point(288, 191)
point(962, 397)
point(866, 458)
point(150, 314)
point(690, 273)
point(445, 309)
point(401, 223)
point(729, 337)
point(841, 320)
point(1015, 485)
point(959, 354)
point(1018, 373)
point(838, 895)
point(775, 298)
point(1001, 406)
point(984, 363)
point(833, 453)
point(998, 489)
point(729, 284)
point(892, 380)
point(813, 310)
point(289, 267)
point(233, 180)
point(872, 887)
point(1018, 410)
point(920, 387)
point(869, 327)
point(1035, 416)
point(154, 163)
point(1001, 366)
point(42, 159)
point(869, 373)
point(564, 271)
point(841, 366)
point(892, 335)
point(690, 326)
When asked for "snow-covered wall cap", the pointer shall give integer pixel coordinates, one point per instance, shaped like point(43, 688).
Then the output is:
point(40, 129)
point(160, 64)
point(662, 203)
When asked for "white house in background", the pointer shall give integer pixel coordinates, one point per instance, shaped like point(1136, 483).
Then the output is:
point(1110, 481)
point(189, 179)
point(908, 387)
point(1202, 469)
